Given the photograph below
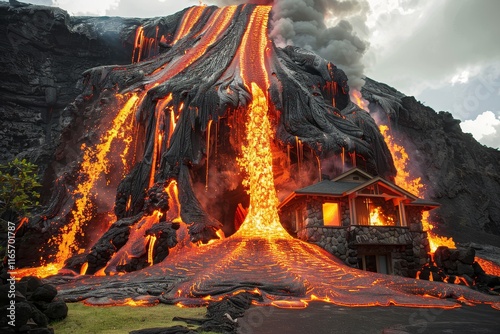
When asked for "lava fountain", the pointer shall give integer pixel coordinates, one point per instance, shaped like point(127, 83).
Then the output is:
point(218, 67)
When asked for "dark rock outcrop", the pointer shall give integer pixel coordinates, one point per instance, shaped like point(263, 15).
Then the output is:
point(459, 266)
point(36, 305)
point(44, 53)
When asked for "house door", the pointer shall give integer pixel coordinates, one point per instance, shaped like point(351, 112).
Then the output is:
point(376, 263)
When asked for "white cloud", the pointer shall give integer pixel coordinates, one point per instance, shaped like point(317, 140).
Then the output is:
point(125, 8)
point(87, 7)
point(425, 48)
point(486, 127)
point(461, 77)
point(150, 8)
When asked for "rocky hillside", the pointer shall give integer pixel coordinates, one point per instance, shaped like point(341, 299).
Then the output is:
point(459, 172)
point(44, 52)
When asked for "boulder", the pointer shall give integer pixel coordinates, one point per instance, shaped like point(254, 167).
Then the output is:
point(466, 255)
point(32, 282)
point(38, 317)
point(23, 314)
point(56, 310)
point(441, 254)
point(464, 269)
point(44, 293)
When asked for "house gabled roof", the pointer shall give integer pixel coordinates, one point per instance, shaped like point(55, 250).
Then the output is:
point(352, 171)
point(340, 187)
point(425, 202)
point(387, 183)
point(328, 187)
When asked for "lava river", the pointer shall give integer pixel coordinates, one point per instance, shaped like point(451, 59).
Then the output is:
point(285, 271)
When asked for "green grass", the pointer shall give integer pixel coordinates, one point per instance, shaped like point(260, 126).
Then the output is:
point(83, 319)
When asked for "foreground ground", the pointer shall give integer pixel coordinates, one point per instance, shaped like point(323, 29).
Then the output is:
point(322, 318)
point(84, 319)
point(317, 318)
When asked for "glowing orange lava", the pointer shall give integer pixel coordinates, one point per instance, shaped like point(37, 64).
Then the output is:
point(489, 267)
point(190, 18)
point(262, 217)
point(218, 22)
point(95, 164)
point(174, 211)
point(287, 272)
point(358, 99)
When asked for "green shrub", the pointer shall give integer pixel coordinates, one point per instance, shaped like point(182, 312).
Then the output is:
point(18, 187)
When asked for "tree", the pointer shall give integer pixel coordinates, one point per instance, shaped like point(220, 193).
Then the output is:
point(18, 184)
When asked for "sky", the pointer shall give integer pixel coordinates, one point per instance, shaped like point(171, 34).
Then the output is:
point(445, 53)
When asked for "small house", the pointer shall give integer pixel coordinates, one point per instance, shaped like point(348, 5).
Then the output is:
point(366, 221)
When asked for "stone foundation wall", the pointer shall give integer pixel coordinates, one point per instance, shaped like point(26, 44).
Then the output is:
point(408, 249)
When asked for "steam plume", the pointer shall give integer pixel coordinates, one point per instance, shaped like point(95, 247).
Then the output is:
point(326, 27)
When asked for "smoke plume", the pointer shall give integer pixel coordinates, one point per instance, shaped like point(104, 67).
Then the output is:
point(328, 27)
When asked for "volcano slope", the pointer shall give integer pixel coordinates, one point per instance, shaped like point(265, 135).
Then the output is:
point(172, 116)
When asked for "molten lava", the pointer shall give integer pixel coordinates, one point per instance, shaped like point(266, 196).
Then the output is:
point(257, 161)
point(413, 185)
point(95, 165)
point(358, 99)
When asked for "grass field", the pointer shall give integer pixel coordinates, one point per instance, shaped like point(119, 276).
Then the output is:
point(84, 319)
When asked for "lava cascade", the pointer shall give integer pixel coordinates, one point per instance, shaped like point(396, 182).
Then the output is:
point(414, 185)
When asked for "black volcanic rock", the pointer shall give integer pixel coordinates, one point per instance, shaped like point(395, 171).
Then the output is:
point(44, 52)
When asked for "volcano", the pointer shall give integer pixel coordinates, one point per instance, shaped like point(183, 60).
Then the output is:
point(179, 116)
point(196, 139)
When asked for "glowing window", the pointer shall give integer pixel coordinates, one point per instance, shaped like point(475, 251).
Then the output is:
point(331, 216)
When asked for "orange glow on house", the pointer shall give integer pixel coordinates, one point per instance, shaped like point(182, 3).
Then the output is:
point(377, 218)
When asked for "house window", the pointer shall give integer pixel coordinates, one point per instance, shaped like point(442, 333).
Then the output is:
point(331, 214)
point(375, 263)
point(376, 212)
point(300, 218)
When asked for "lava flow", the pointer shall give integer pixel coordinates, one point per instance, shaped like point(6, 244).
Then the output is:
point(414, 186)
point(262, 258)
point(221, 68)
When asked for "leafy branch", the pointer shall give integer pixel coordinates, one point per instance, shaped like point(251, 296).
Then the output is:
point(18, 187)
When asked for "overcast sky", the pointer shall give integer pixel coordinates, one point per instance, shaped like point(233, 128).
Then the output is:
point(445, 53)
